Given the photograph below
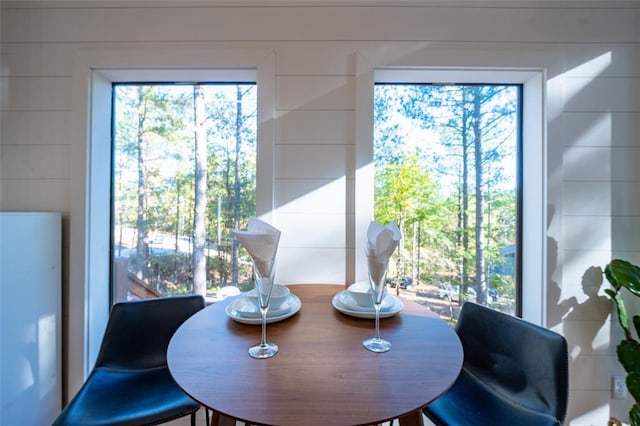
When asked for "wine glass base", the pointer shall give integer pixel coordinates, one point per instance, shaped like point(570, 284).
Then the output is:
point(375, 344)
point(263, 351)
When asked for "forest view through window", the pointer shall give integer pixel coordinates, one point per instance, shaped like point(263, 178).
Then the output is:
point(184, 175)
point(447, 172)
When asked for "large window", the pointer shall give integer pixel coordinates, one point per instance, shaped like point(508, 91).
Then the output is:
point(184, 175)
point(94, 73)
point(447, 170)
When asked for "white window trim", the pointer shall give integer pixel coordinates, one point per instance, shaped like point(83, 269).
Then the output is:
point(94, 70)
point(534, 173)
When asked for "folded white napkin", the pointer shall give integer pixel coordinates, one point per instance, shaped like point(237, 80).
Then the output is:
point(381, 242)
point(261, 241)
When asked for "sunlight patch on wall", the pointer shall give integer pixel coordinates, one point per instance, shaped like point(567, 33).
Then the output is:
point(310, 195)
point(589, 129)
point(577, 79)
point(593, 67)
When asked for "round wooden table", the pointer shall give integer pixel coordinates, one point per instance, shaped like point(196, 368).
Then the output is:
point(322, 375)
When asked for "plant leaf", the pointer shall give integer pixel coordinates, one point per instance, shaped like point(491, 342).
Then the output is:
point(636, 324)
point(634, 415)
point(621, 273)
point(633, 384)
point(629, 355)
point(611, 277)
point(610, 293)
point(622, 314)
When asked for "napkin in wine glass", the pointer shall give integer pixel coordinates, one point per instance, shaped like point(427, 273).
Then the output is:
point(261, 241)
point(382, 240)
point(381, 243)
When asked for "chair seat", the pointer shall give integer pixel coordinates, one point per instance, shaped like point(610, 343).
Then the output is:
point(469, 402)
point(117, 397)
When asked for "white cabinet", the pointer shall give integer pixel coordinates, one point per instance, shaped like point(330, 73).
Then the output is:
point(30, 318)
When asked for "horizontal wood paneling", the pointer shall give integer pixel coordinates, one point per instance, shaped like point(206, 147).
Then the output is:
point(587, 233)
point(44, 59)
point(601, 198)
point(311, 265)
point(310, 196)
point(316, 58)
point(576, 262)
point(616, 129)
point(587, 164)
point(322, 230)
point(578, 198)
point(601, 164)
point(327, 58)
point(35, 127)
point(34, 162)
point(606, 94)
point(609, 60)
point(458, 23)
point(586, 369)
point(315, 127)
point(602, 233)
point(35, 195)
point(37, 59)
point(313, 161)
point(315, 93)
point(625, 232)
point(35, 94)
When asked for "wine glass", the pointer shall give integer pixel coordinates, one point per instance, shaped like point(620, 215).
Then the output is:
point(265, 272)
point(377, 270)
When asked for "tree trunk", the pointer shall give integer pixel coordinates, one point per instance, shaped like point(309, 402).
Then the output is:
point(142, 241)
point(465, 194)
point(414, 252)
point(200, 200)
point(480, 282)
point(418, 254)
point(236, 185)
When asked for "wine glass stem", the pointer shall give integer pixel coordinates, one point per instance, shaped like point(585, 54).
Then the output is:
point(263, 342)
point(377, 308)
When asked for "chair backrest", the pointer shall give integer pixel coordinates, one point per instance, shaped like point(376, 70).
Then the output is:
point(138, 332)
point(524, 362)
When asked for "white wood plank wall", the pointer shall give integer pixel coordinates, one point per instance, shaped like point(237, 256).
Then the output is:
point(590, 51)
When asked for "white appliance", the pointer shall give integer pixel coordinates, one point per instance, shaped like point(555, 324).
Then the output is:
point(30, 318)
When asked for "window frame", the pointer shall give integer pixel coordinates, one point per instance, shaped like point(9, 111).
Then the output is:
point(534, 166)
point(94, 71)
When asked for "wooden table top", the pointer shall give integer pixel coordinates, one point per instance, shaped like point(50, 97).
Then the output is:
point(322, 375)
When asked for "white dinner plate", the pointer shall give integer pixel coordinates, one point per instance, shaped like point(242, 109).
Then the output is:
point(349, 302)
point(344, 303)
point(246, 306)
point(244, 311)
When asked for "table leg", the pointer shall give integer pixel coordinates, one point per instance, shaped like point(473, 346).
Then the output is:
point(412, 419)
point(218, 419)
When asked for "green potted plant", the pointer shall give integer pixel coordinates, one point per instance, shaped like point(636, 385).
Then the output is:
point(622, 274)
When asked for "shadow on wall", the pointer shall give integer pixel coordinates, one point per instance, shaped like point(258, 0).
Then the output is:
point(584, 323)
point(584, 320)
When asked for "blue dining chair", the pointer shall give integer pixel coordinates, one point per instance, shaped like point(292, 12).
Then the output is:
point(514, 373)
point(130, 383)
